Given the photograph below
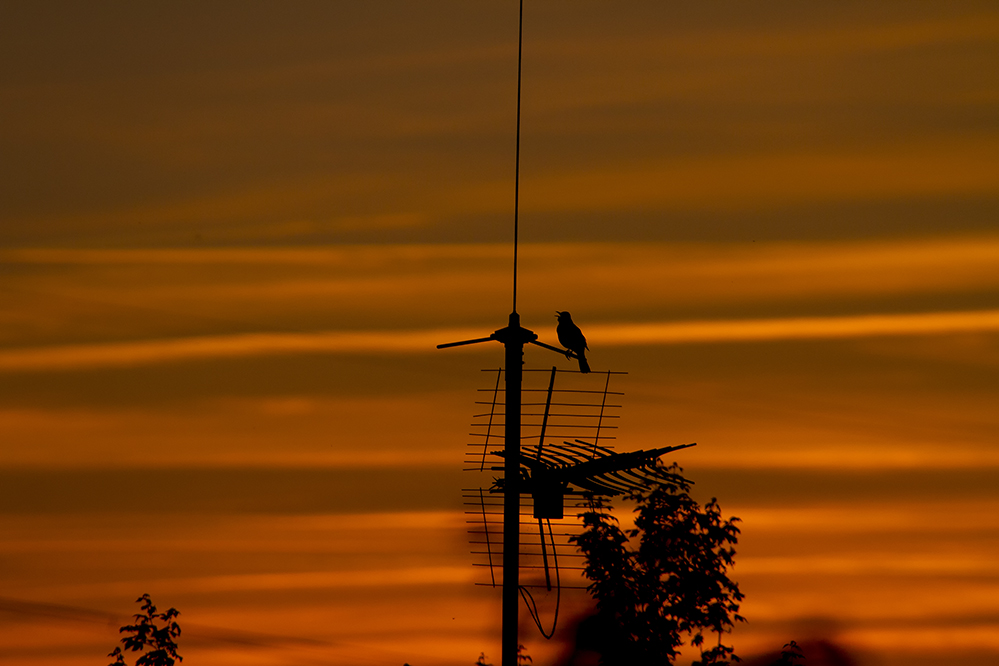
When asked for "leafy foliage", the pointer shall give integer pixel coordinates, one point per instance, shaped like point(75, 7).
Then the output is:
point(789, 655)
point(674, 584)
point(146, 635)
point(522, 658)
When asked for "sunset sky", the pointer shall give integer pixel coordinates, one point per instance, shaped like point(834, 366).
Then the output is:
point(232, 233)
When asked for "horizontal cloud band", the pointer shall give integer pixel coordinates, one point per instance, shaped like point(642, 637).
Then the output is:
point(146, 352)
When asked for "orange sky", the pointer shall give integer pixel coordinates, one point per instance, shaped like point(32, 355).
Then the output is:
point(231, 235)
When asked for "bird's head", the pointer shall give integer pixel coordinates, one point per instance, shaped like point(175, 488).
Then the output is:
point(563, 316)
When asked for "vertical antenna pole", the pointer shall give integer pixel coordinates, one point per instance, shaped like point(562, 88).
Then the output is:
point(514, 344)
point(516, 178)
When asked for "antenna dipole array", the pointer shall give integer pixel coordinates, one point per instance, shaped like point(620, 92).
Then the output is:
point(552, 413)
point(566, 460)
point(546, 470)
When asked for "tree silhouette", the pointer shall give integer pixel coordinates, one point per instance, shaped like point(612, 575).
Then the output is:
point(145, 634)
point(674, 584)
point(789, 655)
point(522, 658)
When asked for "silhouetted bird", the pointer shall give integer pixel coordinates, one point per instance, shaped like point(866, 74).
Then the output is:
point(572, 339)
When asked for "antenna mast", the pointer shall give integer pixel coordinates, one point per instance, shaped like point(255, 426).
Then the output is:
point(513, 337)
point(580, 467)
point(516, 178)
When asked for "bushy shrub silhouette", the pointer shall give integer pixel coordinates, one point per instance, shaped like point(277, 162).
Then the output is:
point(789, 655)
point(674, 584)
point(156, 641)
point(522, 658)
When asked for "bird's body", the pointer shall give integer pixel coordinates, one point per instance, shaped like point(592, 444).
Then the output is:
point(570, 337)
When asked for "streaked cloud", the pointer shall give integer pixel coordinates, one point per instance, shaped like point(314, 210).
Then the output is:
point(129, 354)
point(873, 564)
point(229, 346)
point(267, 435)
point(913, 516)
point(931, 323)
point(64, 296)
point(873, 455)
point(757, 181)
point(362, 578)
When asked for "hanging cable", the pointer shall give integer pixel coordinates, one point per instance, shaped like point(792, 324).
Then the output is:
point(532, 606)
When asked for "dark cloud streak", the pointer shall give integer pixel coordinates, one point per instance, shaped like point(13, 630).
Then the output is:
point(228, 491)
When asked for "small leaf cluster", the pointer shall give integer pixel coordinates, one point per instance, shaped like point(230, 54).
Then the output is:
point(522, 658)
point(158, 641)
point(674, 584)
point(789, 655)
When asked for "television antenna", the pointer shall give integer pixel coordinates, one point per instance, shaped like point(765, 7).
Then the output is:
point(547, 472)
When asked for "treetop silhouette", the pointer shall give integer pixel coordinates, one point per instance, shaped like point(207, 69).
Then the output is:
point(674, 583)
point(157, 640)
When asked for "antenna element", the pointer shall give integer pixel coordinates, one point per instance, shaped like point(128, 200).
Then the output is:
point(516, 177)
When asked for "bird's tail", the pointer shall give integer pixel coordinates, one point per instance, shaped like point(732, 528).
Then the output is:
point(583, 365)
